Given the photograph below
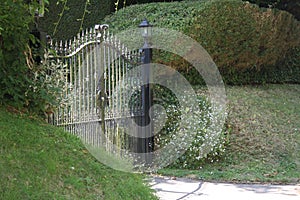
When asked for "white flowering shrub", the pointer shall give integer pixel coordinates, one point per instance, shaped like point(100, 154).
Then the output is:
point(47, 86)
point(206, 145)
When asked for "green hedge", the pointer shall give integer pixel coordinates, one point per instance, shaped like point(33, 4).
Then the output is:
point(249, 44)
point(175, 15)
point(246, 42)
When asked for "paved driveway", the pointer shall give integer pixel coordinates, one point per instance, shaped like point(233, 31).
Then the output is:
point(185, 189)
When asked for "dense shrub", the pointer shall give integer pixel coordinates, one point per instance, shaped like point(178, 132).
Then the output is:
point(249, 44)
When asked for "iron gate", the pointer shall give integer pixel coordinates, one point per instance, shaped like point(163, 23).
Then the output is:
point(94, 66)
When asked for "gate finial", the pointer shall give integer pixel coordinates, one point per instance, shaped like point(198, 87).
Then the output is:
point(99, 29)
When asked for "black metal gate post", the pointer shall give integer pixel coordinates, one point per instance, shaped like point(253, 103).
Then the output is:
point(146, 145)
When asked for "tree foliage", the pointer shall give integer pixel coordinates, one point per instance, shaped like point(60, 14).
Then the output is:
point(23, 82)
point(15, 60)
point(66, 18)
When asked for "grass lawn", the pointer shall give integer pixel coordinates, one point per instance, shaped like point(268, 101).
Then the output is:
point(264, 140)
point(39, 161)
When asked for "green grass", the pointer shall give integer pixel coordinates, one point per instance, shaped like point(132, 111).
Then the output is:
point(264, 145)
point(39, 161)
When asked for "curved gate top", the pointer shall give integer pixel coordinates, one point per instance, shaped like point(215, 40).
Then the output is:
point(92, 102)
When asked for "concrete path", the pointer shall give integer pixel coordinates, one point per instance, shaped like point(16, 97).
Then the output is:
point(186, 189)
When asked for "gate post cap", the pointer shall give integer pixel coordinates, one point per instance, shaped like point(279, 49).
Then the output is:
point(101, 27)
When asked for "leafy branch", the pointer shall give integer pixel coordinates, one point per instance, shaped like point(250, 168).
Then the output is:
point(87, 2)
point(65, 7)
point(117, 4)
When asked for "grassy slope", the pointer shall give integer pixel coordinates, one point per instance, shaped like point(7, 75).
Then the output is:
point(265, 137)
point(38, 161)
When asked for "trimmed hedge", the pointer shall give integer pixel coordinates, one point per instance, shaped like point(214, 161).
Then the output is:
point(246, 40)
point(174, 15)
point(249, 44)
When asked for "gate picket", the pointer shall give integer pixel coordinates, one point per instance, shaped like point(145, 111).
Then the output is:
point(93, 103)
